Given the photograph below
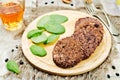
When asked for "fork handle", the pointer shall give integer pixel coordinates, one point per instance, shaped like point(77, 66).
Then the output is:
point(112, 28)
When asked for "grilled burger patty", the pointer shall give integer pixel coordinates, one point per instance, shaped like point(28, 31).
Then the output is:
point(67, 53)
point(89, 31)
point(71, 50)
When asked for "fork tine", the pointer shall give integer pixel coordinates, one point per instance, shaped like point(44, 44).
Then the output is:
point(92, 10)
point(89, 8)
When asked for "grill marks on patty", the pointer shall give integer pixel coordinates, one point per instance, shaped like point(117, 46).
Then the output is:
point(71, 50)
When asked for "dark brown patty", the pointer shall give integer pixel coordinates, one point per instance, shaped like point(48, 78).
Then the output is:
point(89, 32)
point(71, 50)
point(67, 53)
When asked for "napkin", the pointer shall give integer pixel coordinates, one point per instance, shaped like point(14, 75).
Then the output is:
point(111, 7)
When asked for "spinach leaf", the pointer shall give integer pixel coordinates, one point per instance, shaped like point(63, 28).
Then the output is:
point(12, 66)
point(58, 18)
point(52, 38)
point(55, 28)
point(38, 50)
point(43, 21)
point(34, 32)
point(39, 38)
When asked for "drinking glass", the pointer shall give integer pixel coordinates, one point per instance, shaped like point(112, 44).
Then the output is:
point(11, 13)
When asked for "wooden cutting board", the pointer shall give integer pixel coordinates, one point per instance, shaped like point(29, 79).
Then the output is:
point(46, 63)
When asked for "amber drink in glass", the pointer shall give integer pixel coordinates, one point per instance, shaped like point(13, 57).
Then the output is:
point(11, 13)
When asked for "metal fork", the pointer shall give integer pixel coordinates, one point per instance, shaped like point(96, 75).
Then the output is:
point(91, 10)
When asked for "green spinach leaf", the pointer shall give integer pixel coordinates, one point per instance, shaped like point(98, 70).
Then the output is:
point(39, 38)
point(38, 50)
point(12, 66)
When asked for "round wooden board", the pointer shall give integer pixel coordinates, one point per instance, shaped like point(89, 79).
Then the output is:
point(46, 63)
